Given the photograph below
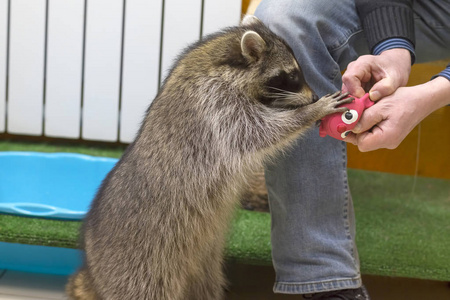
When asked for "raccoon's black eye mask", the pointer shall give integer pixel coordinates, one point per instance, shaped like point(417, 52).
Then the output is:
point(283, 81)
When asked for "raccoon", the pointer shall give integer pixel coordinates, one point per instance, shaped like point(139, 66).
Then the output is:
point(157, 226)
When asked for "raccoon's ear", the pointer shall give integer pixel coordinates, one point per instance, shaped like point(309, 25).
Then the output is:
point(250, 20)
point(252, 45)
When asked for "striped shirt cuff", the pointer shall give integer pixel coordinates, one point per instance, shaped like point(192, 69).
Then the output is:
point(395, 43)
point(445, 73)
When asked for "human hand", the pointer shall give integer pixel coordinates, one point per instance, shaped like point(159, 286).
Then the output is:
point(390, 120)
point(380, 75)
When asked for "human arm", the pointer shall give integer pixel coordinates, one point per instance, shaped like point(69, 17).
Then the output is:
point(380, 75)
point(389, 29)
point(386, 19)
point(390, 120)
point(386, 124)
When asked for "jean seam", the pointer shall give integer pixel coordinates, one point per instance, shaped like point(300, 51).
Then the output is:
point(347, 205)
point(317, 286)
point(348, 35)
point(321, 281)
point(335, 73)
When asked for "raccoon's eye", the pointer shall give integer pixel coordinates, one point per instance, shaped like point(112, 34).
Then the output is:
point(293, 76)
point(276, 81)
point(294, 83)
point(286, 81)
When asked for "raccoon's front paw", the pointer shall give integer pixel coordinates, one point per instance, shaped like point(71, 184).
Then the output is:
point(332, 103)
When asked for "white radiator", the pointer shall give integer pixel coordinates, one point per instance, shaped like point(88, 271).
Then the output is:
point(88, 69)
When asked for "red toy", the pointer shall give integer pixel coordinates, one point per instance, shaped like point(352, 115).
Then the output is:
point(338, 125)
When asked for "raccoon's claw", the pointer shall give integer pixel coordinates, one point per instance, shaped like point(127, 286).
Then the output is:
point(343, 97)
point(334, 102)
point(338, 96)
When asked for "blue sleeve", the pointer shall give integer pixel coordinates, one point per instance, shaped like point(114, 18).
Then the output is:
point(393, 43)
point(405, 44)
point(444, 73)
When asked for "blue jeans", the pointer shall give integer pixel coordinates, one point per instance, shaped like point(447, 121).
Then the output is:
point(313, 224)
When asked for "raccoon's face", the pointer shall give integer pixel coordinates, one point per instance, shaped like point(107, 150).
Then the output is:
point(285, 86)
point(280, 82)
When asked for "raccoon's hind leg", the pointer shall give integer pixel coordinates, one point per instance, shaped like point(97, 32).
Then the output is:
point(79, 287)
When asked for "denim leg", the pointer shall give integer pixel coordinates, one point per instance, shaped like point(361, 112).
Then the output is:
point(313, 228)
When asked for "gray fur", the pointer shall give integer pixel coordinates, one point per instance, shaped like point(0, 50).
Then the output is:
point(157, 226)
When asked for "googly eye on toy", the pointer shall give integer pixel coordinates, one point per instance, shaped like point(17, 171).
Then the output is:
point(339, 125)
point(345, 133)
point(350, 116)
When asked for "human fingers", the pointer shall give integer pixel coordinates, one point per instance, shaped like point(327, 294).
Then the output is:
point(366, 141)
point(356, 77)
point(371, 140)
point(371, 116)
point(351, 138)
point(382, 88)
point(392, 72)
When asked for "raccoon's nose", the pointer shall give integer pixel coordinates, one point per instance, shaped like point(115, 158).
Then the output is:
point(315, 98)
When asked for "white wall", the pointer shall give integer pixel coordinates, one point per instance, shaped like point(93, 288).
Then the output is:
point(89, 69)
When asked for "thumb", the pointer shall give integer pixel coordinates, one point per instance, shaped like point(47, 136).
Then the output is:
point(371, 117)
point(382, 88)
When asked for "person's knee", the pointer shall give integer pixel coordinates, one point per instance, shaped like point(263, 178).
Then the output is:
point(314, 27)
point(305, 11)
point(268, 11)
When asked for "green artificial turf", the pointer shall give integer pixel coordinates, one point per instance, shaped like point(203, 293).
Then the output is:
point(403, 223)
point(400, 232)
